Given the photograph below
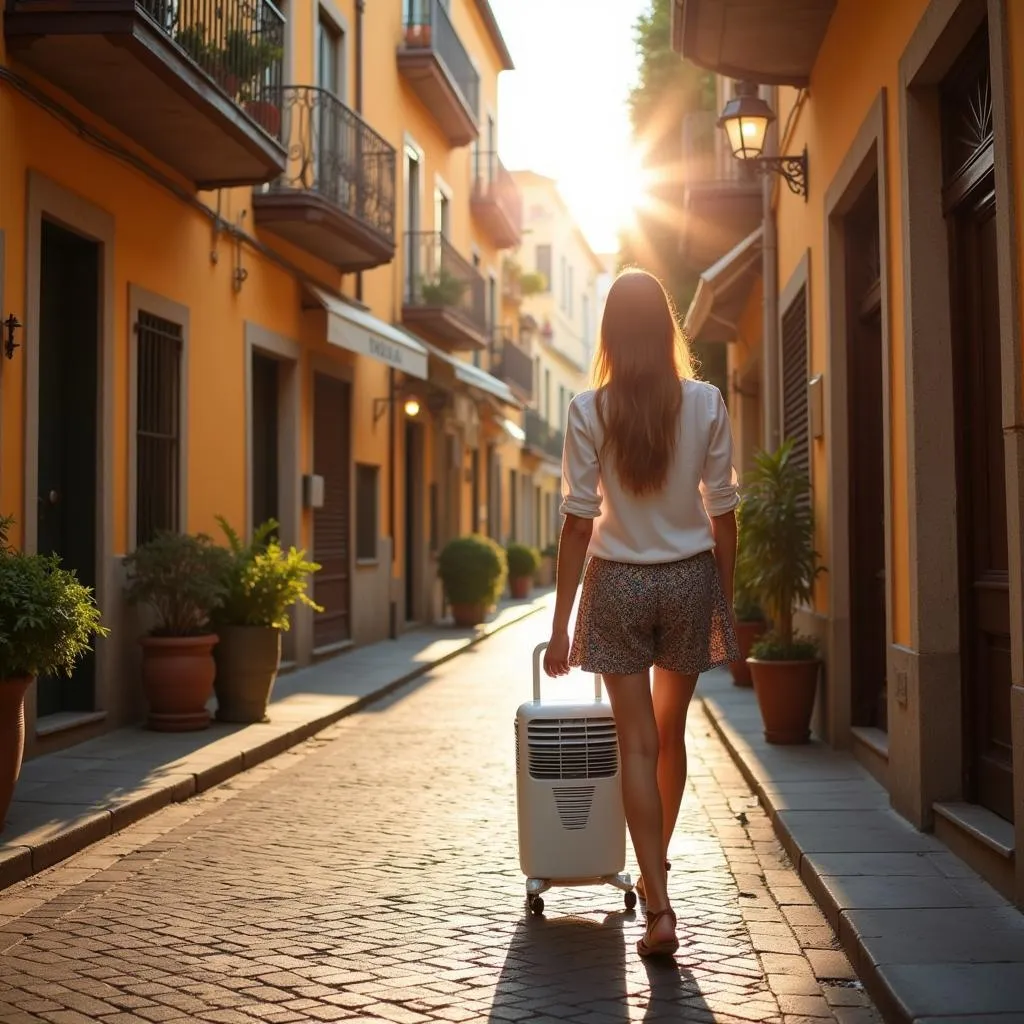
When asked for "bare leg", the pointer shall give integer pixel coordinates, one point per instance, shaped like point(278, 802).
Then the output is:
point(673, 692)
point(638, 747)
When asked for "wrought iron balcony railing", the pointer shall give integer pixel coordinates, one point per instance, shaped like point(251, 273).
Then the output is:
point(510, 363)
point(238, 43)
point(493, 183)
point(541, 436)
point(333, 152)
point(437, 277)
point(428, 24)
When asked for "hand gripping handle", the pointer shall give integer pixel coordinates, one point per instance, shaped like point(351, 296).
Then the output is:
point(538, 653)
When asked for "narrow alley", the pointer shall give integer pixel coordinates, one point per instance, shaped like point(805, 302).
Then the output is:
point(371, 874)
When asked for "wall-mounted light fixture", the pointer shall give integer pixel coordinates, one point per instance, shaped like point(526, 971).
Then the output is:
point(745, 119)
point(10, 325)
point(410, 405)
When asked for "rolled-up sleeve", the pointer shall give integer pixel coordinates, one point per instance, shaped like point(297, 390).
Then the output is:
point(580, 468)
point(719, 485)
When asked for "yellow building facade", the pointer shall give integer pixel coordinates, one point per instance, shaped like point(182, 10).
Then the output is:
point(873, 315)
point(255, 254)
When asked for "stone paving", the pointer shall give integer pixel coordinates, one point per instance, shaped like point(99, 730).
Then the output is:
point(371, 874)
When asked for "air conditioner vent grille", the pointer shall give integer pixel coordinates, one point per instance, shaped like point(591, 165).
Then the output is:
point(573, 748)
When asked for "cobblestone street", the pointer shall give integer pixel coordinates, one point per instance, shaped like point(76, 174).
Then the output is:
point(372, 874)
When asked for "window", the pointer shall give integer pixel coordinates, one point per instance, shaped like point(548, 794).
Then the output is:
point(442, 213)
point(563, 281)
point(572, 289)
point(587, 339)
point(329, 50)
point(794, 380)
point(547, 396)
point(157, 426)
point(265, 440)
point(544, 265)
point(563, 405)
point(367, 478)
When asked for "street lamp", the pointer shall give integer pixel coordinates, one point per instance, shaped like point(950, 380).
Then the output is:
point(745, 119)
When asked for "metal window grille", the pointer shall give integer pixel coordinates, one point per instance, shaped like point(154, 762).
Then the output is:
point(158, 426)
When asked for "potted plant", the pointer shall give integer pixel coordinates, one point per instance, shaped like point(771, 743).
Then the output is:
point(523, 562)
point(445, 290)
point(181, 578)
point(417, 35)
point(262, 581)
point(778, 540)
point(750, 620)
point(532, 283)
point(473, 570)
point(546, 573)
point(48, 620)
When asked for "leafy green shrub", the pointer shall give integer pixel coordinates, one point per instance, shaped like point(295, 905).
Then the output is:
point(262, 580)
point(745, 603)
point(473, 570)
point(551, 551)
point(779, 560)
point(445, 290)
point(48, 618)
point(181, 577)
point(522, 560)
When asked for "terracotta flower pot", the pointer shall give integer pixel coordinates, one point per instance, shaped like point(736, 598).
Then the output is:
point(746, 634)
point(247, 660)
point(786, 691)
point(417, 35)
point(12, 737)
point(520, 587)
point(266, 115)
point(177, 676)
point(466, 615)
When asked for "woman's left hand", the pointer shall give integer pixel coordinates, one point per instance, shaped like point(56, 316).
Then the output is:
point(556, 657)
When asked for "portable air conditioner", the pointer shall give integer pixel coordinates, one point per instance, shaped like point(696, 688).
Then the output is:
point(572, 829)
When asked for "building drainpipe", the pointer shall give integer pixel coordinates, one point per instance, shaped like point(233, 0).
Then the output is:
point(360, 11)
point(770, 306)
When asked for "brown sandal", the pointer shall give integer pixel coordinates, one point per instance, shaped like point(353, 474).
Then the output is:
point(666, 947)
point(641, 891)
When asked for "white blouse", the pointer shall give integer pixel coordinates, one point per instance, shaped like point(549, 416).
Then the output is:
point(673, 523)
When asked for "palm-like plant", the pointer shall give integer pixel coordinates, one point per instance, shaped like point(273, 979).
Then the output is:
point(778, 558)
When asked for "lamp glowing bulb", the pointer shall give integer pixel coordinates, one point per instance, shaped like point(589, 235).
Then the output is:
point(412, 407)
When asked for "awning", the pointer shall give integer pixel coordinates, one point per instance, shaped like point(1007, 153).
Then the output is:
point(472, 376)
point(722, 292)
point(358, 331)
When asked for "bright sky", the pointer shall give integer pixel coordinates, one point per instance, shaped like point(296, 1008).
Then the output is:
point(563, 112)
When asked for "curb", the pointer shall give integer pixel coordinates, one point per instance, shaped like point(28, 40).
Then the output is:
point(882, 994)
point(20, 862)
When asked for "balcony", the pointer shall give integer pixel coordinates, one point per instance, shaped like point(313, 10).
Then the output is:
point(438, 69)
point(445, 295)
point(191, 81)
point(721, 196)
point(336, 198)
point(774, 42)
point(541, 437)
point(497, 202)
point(511, 364)
point(511, 282)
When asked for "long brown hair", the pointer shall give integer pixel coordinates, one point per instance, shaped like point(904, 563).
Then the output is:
point(637, 369)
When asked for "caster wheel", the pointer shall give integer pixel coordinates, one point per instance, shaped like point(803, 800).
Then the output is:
point(536, 905)
point(630, 900)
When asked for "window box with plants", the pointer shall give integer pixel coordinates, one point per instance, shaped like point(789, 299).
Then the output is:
point(180, 577)
point(750, 620)
point(262, 582)
point(473, 571)
point(48, 621)
point(778, 541)
point(523, 563)
point(443, 290)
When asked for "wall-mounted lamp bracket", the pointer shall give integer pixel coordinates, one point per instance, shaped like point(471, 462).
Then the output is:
point(792, 168)
point(10, 325)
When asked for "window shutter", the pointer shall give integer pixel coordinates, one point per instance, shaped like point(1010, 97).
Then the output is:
point(794, 380)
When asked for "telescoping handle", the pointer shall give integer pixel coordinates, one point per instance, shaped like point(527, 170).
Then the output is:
point(538, 653)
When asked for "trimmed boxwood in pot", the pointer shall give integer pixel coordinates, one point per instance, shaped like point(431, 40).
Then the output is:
point(473, 570)
point(778, 540)
point(523, 563)
point(262, 582)
point(180, 577)
point(48, 619)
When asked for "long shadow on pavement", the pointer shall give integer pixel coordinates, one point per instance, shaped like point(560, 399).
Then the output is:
point(567, 967)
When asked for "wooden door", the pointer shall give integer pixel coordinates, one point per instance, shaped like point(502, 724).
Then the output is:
point(865, 429)
point(264, 485)
point(969, 199)
point(67, 479)
point(332, 460)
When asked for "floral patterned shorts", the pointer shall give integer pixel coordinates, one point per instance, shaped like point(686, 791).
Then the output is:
point(670, 614)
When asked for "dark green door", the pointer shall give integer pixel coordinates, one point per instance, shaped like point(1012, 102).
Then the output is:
point(68, 421)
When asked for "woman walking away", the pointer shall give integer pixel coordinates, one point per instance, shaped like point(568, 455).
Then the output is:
point(649, 491)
